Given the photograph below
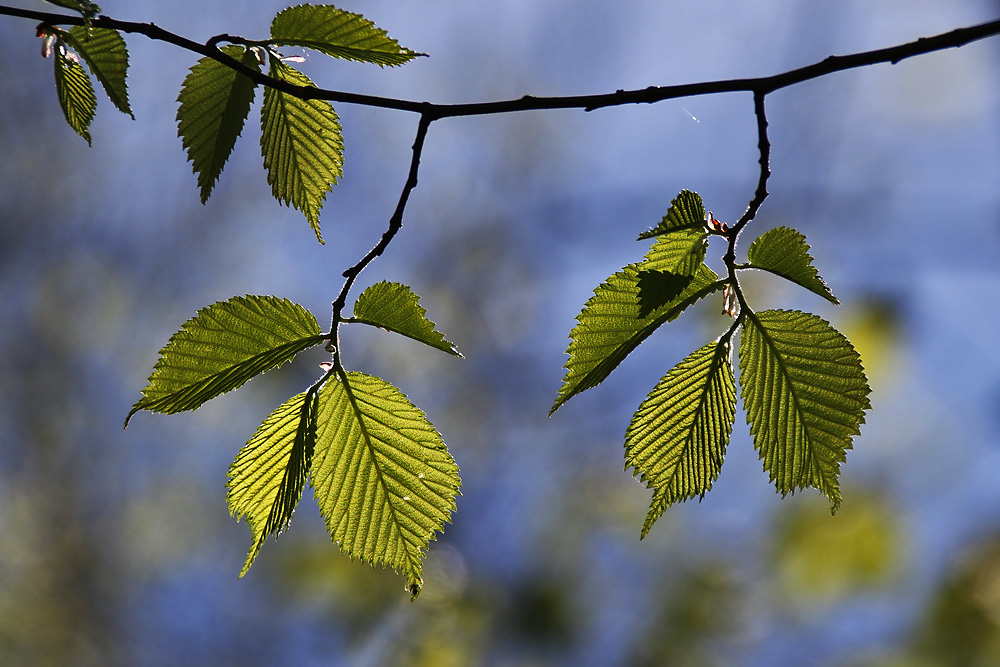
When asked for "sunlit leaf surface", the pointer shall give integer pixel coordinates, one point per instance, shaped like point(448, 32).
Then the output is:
point(395, 307)
point(678, 436)
point(805, 393)
point(382, 476)
point(224, 346)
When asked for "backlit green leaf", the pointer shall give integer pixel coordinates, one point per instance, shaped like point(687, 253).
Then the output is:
point(805, 393)
point(614, 322)
point(224, 346)
point(76, 93)
point(266, 479)
point(301, 144)
point(677, 439)
point(106, 55)
point(85, 7)
point(382, 476)
point(214, 103)
point(686, 212)
point(784, 251)
point(395, 307)
point(337, 33)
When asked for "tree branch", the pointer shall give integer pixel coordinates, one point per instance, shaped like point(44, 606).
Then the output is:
point(894, 54)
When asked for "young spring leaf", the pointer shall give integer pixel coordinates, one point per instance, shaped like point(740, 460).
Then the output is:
point(614, 321)
point(670, 266)
point(266, 478)
point(678, 436)
point(106, 55)
point(784, 252)
point(686, 212)
point(85, 7)
point(395, 307)
point(301, 144)
point(805, 393)
point(76, 93)
point(224, 346)
point(214, 103)
point(337, 33)
point(382, 476)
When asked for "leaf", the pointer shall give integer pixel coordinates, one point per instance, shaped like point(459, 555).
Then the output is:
point(677, 439)
point(337, 33)
point(611, 326)
point(382, 476)
point(214, 103)
point(85, 7)
point(805, 393)
point(657, 288)
point(224, 346)
point(106, 55)
point(784, 251)
point(266, 478)
point(301, 144)
point(681, 253)
point(686, 212)
point(395, 307)
point(76, 93)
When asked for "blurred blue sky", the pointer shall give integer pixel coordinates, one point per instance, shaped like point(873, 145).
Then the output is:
point(891, 172)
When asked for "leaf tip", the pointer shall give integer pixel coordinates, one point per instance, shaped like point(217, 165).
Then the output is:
point(128, 417)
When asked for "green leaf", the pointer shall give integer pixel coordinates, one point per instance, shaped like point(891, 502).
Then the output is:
point(214, 103)
point(224, 346)
point(395, 307)
point(657, 288)
point(106, 55)
point(76, 93)
point(301, 144)
point(266, 478)
point(677, 439)
point(85, 7)
point(686, 212)
point(382, 476)
point(805, 393)
point(614, 322)
point(337, 33)
point(784, 251)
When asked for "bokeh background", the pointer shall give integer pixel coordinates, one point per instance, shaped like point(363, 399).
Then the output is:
point(116, 547)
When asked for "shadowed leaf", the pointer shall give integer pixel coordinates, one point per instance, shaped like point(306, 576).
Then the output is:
point(214, 103)
point(611, 326)
point(106, 55)
point(657, 288)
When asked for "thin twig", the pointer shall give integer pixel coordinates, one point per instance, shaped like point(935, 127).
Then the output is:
point(395, 224)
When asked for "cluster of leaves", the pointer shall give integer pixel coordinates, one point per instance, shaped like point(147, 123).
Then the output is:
point(301, 140)
point(803, 387)
point(381, 475)
point(106, 56)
